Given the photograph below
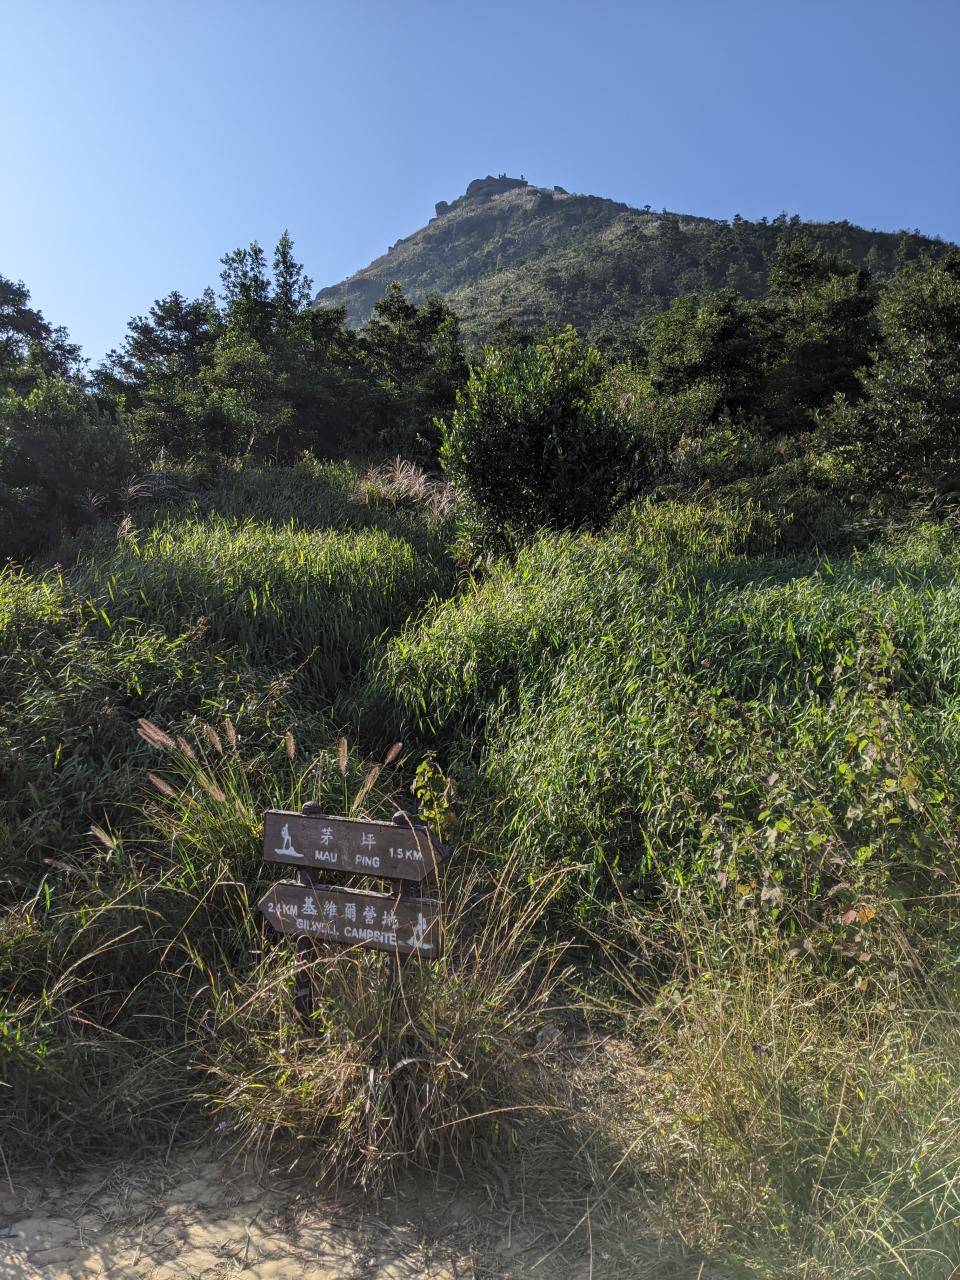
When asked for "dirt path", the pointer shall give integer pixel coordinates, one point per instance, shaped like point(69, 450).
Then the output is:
point(196, 1217)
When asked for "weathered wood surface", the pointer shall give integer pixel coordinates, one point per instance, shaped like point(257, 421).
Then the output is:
point(355, 918)
point(389, 850)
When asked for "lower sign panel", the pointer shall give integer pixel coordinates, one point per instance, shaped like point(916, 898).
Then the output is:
point(355, 918)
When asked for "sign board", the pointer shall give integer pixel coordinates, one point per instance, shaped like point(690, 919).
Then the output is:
point(355, 917)
point(402, 851)
point(387, 850)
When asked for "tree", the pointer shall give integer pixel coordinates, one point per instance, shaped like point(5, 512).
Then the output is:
point(242, 405)
point(719, 339)
point(262, 374)
point(153, 376)
point(246, 293)
point(60, 456)
point(61, 452)
point(416, 355)
point(399, 335)
point(532, 445)
point(292, 287)
point(798, 267)
point(172, 342)
point(29, 346)
point(913, 390)
point(824, 311)
point(267, 373)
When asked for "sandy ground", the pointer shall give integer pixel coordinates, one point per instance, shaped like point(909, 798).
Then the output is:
point(194, 1217)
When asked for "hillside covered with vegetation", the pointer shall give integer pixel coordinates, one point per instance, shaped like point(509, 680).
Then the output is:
point(506, 252)
point(662, 638)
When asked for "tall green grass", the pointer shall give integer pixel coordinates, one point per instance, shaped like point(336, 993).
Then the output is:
point(702, 951)
point(200, 614)
point(283, 596)
point(227, 626)
point(779, 728)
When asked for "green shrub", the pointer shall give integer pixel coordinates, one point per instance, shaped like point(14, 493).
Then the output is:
point(905, 431)
point(60, 459)
point(531, 445)
point(719, 339)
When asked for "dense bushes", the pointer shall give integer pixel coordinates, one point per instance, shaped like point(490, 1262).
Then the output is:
point(907, 428)
point(257, 375)
point(62, 459)
point(263, 374)
point(531, 445)
point(827, 403)
point(63, 456)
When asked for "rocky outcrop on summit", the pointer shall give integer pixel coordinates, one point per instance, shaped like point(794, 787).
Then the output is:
point(484, 188)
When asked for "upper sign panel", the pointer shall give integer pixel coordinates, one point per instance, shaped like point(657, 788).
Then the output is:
point(392, 851)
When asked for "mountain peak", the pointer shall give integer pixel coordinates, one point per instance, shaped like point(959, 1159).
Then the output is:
point(507, 249)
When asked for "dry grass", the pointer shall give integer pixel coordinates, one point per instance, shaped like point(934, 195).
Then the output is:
point(401, 481)
point(788, 1122)
point(442, 1070)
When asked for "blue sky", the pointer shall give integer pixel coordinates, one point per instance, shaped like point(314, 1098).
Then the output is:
point(140, 141)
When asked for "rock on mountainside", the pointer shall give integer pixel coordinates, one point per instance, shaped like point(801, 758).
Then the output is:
point(507, 250)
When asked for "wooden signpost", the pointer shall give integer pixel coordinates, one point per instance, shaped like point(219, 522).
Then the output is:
point(354, 917)
point(399, 850)
point(401, 922)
